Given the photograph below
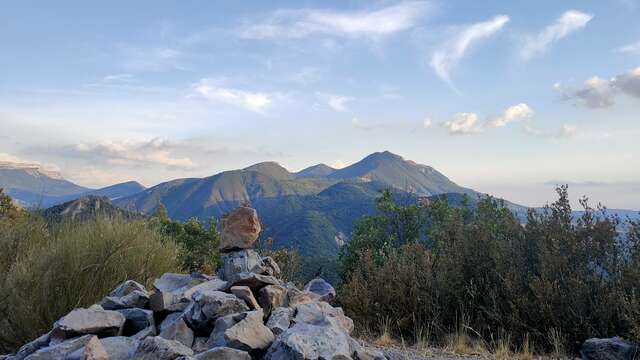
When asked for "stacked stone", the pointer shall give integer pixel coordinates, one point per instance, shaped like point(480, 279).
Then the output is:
point(245, 312)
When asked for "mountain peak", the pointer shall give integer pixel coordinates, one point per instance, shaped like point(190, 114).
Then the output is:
point(319, 170)
point(270, 168)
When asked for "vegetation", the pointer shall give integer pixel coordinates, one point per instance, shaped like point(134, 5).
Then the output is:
point(479, 274)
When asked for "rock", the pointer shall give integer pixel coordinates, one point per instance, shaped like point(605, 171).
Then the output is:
point(214, 284)
point(93, 350)
point(136, 320)
point(145, 333)
point(252, 280)
point(170, 289)
point(135, 299)
point(127, 288)
point(609, 349)
point(170, 319)
point(322, 288)
point(157, 348)
point(319, 313)
point(244, 293)
point(216, 339)
point(240, 229)
point(200, 345)
point(30, 348)
point(272, 296)
point(179, 331)
point(86, 321)
point(223, 353)
point(249, 333)
point(310, 342)
point(360, 352)
point(120, 347)
point(236, 262)
point(280, 320)
point(296, 296)
point(270, 267)
point(61, 350)
point(210, 305)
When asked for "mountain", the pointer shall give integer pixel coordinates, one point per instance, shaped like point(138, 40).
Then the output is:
point(84, 208)
point(32, 186)
point(320, 170)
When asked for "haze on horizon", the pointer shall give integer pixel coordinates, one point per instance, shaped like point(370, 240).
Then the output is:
point(502, 97)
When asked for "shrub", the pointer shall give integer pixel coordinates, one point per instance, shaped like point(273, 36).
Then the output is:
point(76, 266)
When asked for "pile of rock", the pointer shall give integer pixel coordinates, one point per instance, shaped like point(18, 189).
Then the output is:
point(245, 312)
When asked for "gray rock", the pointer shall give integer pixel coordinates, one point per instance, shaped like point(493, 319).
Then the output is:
point(93, 350)
point(179, 331)
point(145, 333)
point(319, 313)
point(86, 321)
point(249, 334)
point(296, 296)
point(362, 352)
point(322, 288)
point(216, 339)
point(127, 288)
point(272, 296)
point(136, 320)
point(214, 284)
point(170, 289)
point(135, 299)
point(244, 293)
point(609, 349)
point(170, 319)
point(200, 345)
point(157, 348)
point(312, 342)
point(30, 348)
point(240, 261)
point(120, 347)
point(61, 350)
point(240, 229)
point(270, 267)
point(280, 320)
point(223, 353)
point(210, 305)
point(252, 280)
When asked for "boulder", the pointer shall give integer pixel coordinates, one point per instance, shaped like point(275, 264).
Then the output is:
point(127, 288)
point(296, 296)
point(210, 305)
point(145, 333)
point(252, 280)
point(179, 331)
point(609, 349)
point(135, 299)
point(322, 288)
point(280, 320)
point(319, 313)
point(270, 267)
point(87, 321)
point(272, 296)
point(244, 293)
point(223, 353)
point(30, 348)
point(120, 347)
point(170, 290)
point(136, 320)
point(60, 350)
point(214, 284)
point(157, 348)
point(249, 333)
point(236, 262)
point(93, 350)
point(310, 342)
point(240, 229)
point(216, 338)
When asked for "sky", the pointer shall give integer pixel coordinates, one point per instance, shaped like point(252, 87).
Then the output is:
point(505, 97)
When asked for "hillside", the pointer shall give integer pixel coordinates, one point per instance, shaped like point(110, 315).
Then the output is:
point(84, 208)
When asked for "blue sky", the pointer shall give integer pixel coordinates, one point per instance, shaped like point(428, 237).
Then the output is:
point(504, 97)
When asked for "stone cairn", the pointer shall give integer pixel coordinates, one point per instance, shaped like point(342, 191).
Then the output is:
point(245, 312)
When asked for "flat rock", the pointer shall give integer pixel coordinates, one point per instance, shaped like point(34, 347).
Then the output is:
point(240, 229)
point(244, 293)
point(310, 342)
point(157, 348)
point(319, 313)
point(87, 321)
point(136, 320)
point(280, 320)
point(135, 299)
point(322, 288)
point(252, 280)
point(61, 350)
point(170, 291)
point(223, 353)
point(609, 349)
point(210, 305)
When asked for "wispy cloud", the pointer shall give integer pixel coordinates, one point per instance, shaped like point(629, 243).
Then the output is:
point(598, 93)
point(463, 124)
point(296, 24)
point(630, 48)
point(564, 132)
point(444, 59)
point(569, 22)
point(156, 59)
point(249, 100)
point(512, 113)
point(338, 103)
point(427, 122)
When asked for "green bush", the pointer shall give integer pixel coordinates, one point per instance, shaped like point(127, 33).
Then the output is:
point(555, 281)
point(73, 266)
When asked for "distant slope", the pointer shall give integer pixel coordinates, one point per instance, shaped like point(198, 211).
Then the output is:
point(320, 170)
point(85, 208)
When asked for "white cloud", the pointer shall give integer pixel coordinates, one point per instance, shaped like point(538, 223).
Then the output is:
point(567, 131)
point(463, 124)
point(4, 157)
point(426, 123)
point(338, 103)
point(564, 132)
point(569, 22)
point(598, 93)
point(252, 101)
point(630, 48)
point(443, 60)
point(156, 151)
point(338, 164)
point(513, 113)
point(296, 24)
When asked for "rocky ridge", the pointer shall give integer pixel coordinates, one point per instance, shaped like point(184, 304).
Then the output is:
point(244, 312)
